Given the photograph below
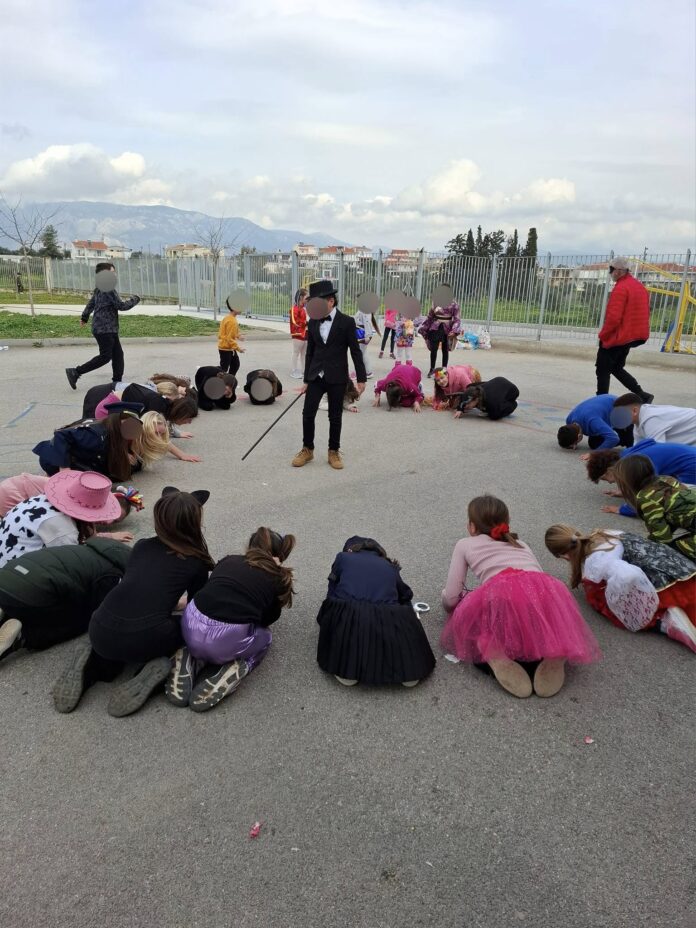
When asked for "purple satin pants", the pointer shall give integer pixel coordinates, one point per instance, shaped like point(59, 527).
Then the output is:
point(220, 642)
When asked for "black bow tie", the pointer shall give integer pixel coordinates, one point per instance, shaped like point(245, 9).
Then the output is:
point(325, 319)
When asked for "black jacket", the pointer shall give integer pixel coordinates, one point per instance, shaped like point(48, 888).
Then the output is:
point(263, 372)
point(499, 398)
point(204, 402)
point(331, 357)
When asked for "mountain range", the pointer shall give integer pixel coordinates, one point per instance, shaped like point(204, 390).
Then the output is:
point(150, 228)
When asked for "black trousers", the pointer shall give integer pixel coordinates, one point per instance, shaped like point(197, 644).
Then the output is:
point(132, 643)
point(229, 361)
point(435, 339)
point(334, 392)
point(385, 336)
point(110, 350)
point(611, 361)
point(625, 438)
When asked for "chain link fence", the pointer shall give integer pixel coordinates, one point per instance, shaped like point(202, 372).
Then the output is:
point(535, 297)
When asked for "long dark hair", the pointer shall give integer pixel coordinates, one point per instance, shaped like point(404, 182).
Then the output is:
point(185, 407)
point(178, 517)
point(487, 513)
point(85, 530)
point(264, 546)
point(117, 460)
point(632, 474)
point(394, 392)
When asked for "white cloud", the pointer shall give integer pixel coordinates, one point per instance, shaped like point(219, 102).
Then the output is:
point(83, 172)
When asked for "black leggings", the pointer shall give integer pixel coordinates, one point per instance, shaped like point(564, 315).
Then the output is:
point(385, 336)
point(115, 646)
point(435, 339)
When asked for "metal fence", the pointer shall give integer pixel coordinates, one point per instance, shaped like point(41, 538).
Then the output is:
point(548, 296)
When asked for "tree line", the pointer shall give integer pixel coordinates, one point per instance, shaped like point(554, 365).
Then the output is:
point(485, 245)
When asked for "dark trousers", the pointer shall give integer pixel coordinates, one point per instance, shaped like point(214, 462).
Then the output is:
point(229, 362)
point(435, 339)
point(334, 392)
point(110, 349)
point(625, 438)
point(385, 336)
point(611, 361)
point(132, 643)
point(44, 626)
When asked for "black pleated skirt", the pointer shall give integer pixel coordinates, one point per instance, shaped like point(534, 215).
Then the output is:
point(372, 642)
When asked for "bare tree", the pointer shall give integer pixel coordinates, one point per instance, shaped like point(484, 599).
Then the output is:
point(24, 227)
point(213, 237)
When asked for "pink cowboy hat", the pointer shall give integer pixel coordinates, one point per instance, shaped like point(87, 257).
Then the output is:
point(83, 495)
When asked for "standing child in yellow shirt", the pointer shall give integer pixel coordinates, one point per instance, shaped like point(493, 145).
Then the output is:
point(228, 341)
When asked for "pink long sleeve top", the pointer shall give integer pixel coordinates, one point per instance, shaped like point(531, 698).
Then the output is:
point(485, 557)
point(409, 379)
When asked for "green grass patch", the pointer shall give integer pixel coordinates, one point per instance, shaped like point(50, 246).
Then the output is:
point(20, 325)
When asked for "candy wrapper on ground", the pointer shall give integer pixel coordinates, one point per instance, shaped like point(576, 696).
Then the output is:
point(255, 830)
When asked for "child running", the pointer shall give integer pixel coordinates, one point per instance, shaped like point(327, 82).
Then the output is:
point(635, 583)
point(518, 615)
point(368, 630)
point(137, 621)
point(226, 625)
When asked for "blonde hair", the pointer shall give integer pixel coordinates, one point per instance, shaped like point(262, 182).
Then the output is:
point(563, 539)
point(150, 445)
point(168, 389)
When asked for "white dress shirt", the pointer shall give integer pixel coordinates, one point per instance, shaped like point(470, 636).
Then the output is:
point(325, 327)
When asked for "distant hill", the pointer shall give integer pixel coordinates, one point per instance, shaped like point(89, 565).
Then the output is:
point(152, 227)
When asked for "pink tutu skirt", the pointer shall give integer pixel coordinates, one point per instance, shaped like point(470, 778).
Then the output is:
point(522, 615)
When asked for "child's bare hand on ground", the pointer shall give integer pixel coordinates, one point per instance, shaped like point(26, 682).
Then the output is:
point(613, 509)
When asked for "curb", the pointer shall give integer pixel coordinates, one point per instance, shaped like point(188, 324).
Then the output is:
point(637, 358)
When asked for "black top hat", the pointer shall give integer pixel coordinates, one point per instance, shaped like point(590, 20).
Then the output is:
point(322, 288)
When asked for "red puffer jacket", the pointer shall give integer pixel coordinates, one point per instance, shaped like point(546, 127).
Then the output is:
point(627, 317)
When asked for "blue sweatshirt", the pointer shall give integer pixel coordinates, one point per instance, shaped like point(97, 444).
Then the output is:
point(592, 416)
point(670, 460)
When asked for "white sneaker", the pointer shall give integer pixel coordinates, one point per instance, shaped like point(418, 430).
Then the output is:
point(370, 375)
point(344, 681)
point(296, 375)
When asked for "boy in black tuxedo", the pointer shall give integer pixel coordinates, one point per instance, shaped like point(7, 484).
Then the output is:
point(326, 371)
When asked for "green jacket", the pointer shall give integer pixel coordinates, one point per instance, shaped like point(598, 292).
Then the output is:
point(666, 506)
point(49, 577)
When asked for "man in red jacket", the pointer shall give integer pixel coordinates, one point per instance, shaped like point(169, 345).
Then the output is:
point(626, 325)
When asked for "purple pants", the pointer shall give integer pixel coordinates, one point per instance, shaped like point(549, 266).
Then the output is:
point(220, 642)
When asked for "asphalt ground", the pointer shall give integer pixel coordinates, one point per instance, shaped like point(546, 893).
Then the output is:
point(451, 804)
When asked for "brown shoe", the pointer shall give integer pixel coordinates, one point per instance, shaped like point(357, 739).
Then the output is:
point(303, 457)
point(335, 460)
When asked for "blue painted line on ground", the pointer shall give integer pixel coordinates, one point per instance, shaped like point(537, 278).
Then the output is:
point(23, 413)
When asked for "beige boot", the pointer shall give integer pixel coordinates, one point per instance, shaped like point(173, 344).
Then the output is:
point(512, 677)
point(549, 677)
point(335, 460)
point(303, 457)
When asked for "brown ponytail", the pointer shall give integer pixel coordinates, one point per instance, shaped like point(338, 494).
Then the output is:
point(562, 539)
point(264, 546)
point(490, 516)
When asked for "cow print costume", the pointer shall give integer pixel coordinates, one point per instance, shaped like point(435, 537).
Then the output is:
point(34, 524)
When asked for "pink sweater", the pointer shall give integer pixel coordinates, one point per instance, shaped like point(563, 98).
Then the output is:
point(16, 489)
point(486, 558)
point(408, 378)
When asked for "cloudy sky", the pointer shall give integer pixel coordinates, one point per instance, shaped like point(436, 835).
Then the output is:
point(378, 121)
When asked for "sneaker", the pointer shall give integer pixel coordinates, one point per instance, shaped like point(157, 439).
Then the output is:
point(335, 460)
point(130, 696)
point(72, 375)
point(303, 457)
point(208, 692)
point(393, 357)
point(10, 636)
point(296, 375)
point(180, 681)
point(512, 677)
point(431, 372)
point(381, 354)
point(344, 681)
point(72, 683)
point(370, 375)
point(549, 677)
point(410, 683)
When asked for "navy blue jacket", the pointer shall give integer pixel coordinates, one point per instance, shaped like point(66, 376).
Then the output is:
point(365, 576)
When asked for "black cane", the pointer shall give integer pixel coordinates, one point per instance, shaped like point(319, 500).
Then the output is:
point(258, 440)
